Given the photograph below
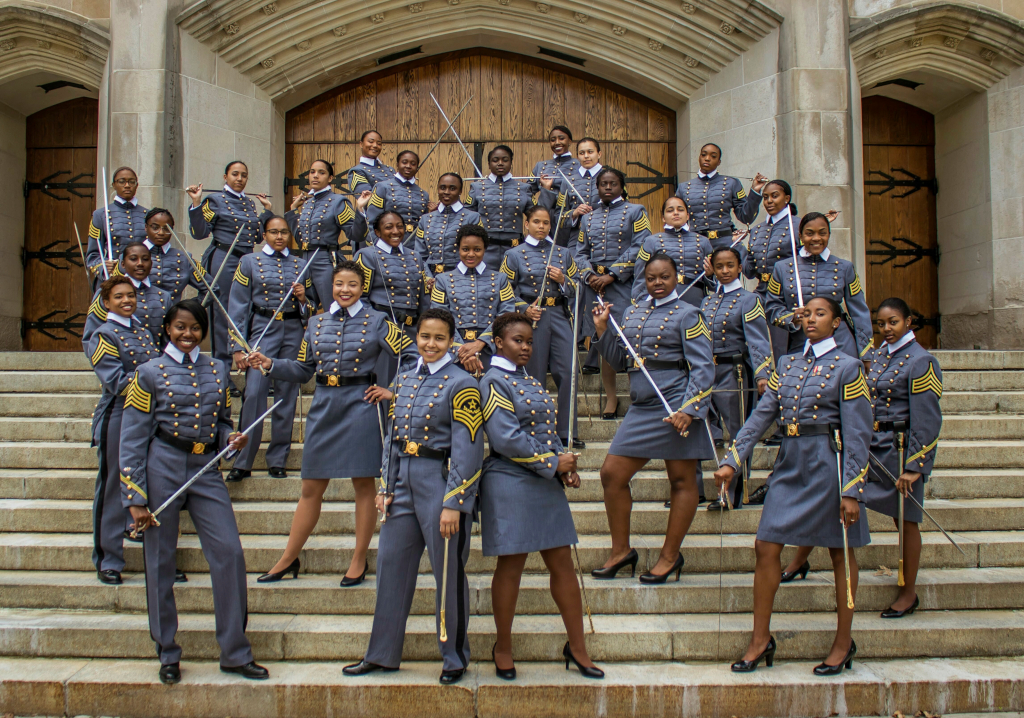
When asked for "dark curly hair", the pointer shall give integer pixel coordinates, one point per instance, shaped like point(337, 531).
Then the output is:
point(506, 320)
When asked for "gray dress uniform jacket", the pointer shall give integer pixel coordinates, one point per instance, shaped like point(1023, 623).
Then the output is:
point(475, 297)
point(673, 341)
point(713, 200)
point(813, 395)
point(523, 502)
point(585, 182)
point(824, 275)
point(115, 350)
point(365, 176)
point(259, 285)
point(435, 236)
point(394, 282)
point(500, 202)
point(398, 195)
point(432, 461)
point(173, 272)
point(906, 385)
point(688, 249)
point(769, 242)
point(152, 304)
point(564, 162)
point(127, 225)
point(177, 414)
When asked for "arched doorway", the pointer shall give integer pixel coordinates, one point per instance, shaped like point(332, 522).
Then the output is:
point(516, 100)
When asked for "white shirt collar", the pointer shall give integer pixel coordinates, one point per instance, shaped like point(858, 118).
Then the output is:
point(709, 175)
point(503, 363)
point(368, 161)
point(479, 268)
point(593, 170)
point(387, 248)
point(403, 180)
point(178, 355)
point(536, 242)
point(123, 321)
point(564, 154)
point(133, 202)
point(435, 366)
point(164, 248)
point(732, 286)
point(320, 191)
point(780, 215)
point(903, 341)
point(616, 200)
point(665, 300)
point(821, 348)
point(240, 195)
point(455, 207)
point(270, 251)
point(352, 311)
point(824, 255)
point(494, 178)
point(670, 228)
point(138, 284)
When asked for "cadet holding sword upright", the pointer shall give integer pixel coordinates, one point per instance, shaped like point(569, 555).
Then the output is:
point(116, 224)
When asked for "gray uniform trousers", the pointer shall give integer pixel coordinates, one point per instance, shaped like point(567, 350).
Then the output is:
point(209, 505)
point(320, 273)
point(552, 351)
point(282, 341)
point(220, 345)
point(725, 400)
point(110, 518)
point(413, 522)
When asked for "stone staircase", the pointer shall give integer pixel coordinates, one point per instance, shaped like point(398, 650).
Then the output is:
point(72, 646)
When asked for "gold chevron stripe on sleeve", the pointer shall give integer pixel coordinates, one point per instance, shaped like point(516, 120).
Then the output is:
point(699, 329)
point(643, 255)
point(394, 337)
point(466, 410)
point(927, 382)
point(856, 388)
point(138, 397)
point(757, 311)
point(346, 215)
point(376, 200)
point(437, 295)
point(855, 287)
point(774, 287)
point(208, 214)
point(94, 231)
point(104, 347)
point(642, 223)
point(741, 194)
point(496, 401)
point(367, 274)
point(506, 270)
point(241, 278)
point(506, 293)
point(98, 310)
point(303, 348)
point(773, 381)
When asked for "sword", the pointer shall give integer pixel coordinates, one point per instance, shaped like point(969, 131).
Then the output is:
point(424, 160)
point(880, 466)
point(571, 186)
point(842, 522)
point(481, 179)
point(743, 417)
point(899, 576)
point(287, 296)
point(106, 215)
point(575, 357)
point(796, 266)
point(206, 300)
point(444, 593)
point(463, 146)
point(637, 360)
point(84, 260)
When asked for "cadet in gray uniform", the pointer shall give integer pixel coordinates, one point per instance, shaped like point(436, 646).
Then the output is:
point(344, 429)
point(687, 249)
point(523, 494)
point(672, 340)
point(739, 339)
point(475, 295)
point(401, 194)
point(554, 194)
point(561, 158)
point(713, 198)
point(151, 301)
point(821, 399)
point(172, 271)
point(258, 287)
point(437, 229)
point(552, 339)
point(321, 218)
point(127, 224)
point(370, 170)
point(160, 452)
point(115, 349)
point(500, 201)
point(822, 274)
point(432, 460)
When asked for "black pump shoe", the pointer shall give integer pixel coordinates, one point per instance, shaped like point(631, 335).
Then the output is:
point(179, 576)
point(585, 671)
point(800, 573)
point(364, 667)
point(631, 560)
point(237, 475)
point(110, 577)
point(508, 674)
point(893, 613)
point(718, 505)
point(768, 654)
point(170, 674)
point(677, 568)
point(276, 472)
point(451, 677)
point(292, 568)
point(824, 669)
point(251, 670)
point(579, 445)
point(346, 581)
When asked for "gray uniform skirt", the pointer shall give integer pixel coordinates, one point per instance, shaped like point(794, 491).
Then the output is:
point(521, 511)
point(802, 508)
point(342, 434)
point(644, 434)
point(880, 492)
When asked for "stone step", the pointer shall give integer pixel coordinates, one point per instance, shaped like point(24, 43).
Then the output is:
point(938, 589)
point(1003, 380)
point(704, 553)
point(979, 360)
point(679, 637)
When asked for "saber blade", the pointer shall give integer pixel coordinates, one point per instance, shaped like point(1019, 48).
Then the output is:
point(441, 137)
point(637, 360)
point(287, 296)
point(223, 263)
point(444, 593)
point(842, 522)
point(472, 162)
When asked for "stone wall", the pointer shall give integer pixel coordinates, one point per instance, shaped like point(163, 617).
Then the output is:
point(12, 219)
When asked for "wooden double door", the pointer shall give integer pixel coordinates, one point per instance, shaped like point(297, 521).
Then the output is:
point(515, 100)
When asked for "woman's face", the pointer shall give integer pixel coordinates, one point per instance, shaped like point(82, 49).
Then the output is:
point(675, 214)
point(237, 177)
point(125, 184)
point(471, 251)
point(588, 154)
point(892, 325)
point(661, 279)
point(184, 331)
point(408, 165)
point(500, 163)
point(371, 145)
point(726, 267)
point(138, 263)
point(347, 288)
point(517, 344)
point(159, 229)
point(609, 187)
point(815, 236)
point(775, 200)
point(277, 235)
point(392, 229)
point(538, 225)
point(433, 339)
point(559, 142)
point(122, 301)
point(319, 176)
point(448, 190)
point(820, 323)
point(709, 159)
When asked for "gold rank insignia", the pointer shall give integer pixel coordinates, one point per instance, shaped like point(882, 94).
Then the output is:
point(137, 397)
point(757, 311)
point(208, 213)
point(496, 401)
point(926, 382)
point(104, 347)
point(437, 295)
point(241, 278)
point(856, 388)
point(855, 286)
point(97, 309)
point(774, 287)
point(506, 293)
point(699, 329)
point(466, 410)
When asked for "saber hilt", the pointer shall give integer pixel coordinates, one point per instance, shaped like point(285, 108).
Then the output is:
point(547, 267)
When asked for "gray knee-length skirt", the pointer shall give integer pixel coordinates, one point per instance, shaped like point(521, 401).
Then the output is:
point(342, 438)
point(880, 492)
point(644, 433)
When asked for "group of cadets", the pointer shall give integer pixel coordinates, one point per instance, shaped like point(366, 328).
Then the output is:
point(441, 330)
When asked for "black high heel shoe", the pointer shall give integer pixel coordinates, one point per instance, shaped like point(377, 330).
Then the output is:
point(631, 560)
point(293, 569)
point(768, 654)
point(677, 568)
point(893, 613)
point(824, 669)
point(800, 573)
point(610, 415)
point(509, 674)
point(346, 581)
point(585, 671)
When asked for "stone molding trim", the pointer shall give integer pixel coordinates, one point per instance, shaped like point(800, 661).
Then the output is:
point(34, 37)
point(972, 44)
point(666, 73)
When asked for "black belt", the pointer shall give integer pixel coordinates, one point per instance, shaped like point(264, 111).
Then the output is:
point(266, 312)
point(549, 301)
point(901, 426)
point(728, 359)
point(304, 246)
point(717, 233)
point(808, 429)
point(424, 452)
point(189, 447)
point(237, 251)
point(439, 268)
point(505, 242)
point(335, 380)
point(402, 317)
point(659, 364)
point(471, 334)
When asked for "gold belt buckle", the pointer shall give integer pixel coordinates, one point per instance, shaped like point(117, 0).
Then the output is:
point(412, 448)
point(438, 268)
point(792, 430)
point(305, 246)
point(408, 320)
point(765, 277)
point(279, 317)
point(409, 228)
point(876, 427)
point(198, 448)
point(550, 301)
point(515, 242)
point(470, 334)
point(601, 270)
point(332, 380)
point(637, 363)
point(714, 358)
point(713, 234)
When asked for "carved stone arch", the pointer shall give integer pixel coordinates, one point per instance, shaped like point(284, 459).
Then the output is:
point(35, 37)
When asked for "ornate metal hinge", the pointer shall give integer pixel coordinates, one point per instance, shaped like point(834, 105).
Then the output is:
point(71, 186)
point(45, 254)
point(656, 178)
point(44, 323)
point(890, 183)
point(891, 251)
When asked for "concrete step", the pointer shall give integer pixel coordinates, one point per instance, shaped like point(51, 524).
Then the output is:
point(1002, 380)
point(938, 589)
point(704, 553)
point(979, 360)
